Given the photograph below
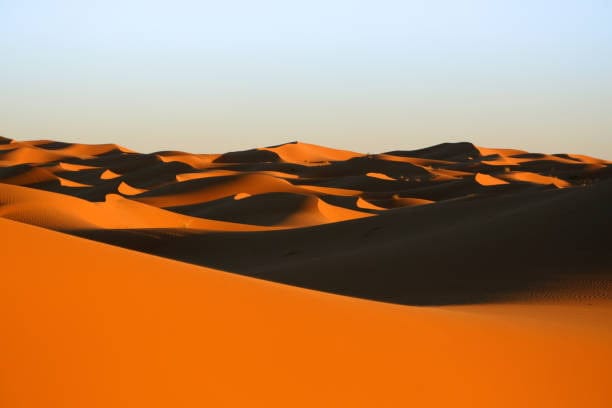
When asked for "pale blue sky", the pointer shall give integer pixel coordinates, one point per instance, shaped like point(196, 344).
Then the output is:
point(367, 75)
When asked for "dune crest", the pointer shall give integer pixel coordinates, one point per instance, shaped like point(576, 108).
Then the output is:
point(109, 175)
point(298, 152)
point(530, 177)
point(125, 188)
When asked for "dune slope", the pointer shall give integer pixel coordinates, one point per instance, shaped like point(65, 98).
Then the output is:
point(86, 324)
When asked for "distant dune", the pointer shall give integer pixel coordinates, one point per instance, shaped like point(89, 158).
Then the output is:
point(512, 248)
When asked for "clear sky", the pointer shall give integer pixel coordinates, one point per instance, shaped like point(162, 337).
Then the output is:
point(212, 76)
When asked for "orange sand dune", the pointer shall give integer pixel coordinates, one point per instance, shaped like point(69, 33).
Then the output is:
point(343, 192)
point(85, 150)
point(505, 161)
point(365, 204)
point(69, 183)
point(29, 175)
point(314, 211)
point(298, 152)
point(109, 175)
point(417, 161)
point(501, 152)
point(588, 159)
point(337, 214)
point(409, 201)
point(44, 151)
point(447, 174)
point(86, 324)
point(381, 176)
point(197, 161)
point(535, 178)
point(283, 210)
point(220, 173)
point(126, 189)
point(486, 180)
point(395, 201)
point(62, 212)
point(75, 167)
point(205, 174)
point(30, 154)
point(222, 186)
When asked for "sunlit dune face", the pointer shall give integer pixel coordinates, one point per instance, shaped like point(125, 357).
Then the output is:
point(69, 183)
point(588, 159)
point(197, 161)
point(110, 327)
point(125, 188)
point(109, 174)
point(381, 176)
point(241, 196)
point(309, 154)
point(536, 179)
point(486, 180)
point(362, 203)
point(75, 167)
point(409, 201)
point(484, 151)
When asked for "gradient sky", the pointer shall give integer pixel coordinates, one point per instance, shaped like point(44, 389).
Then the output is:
point(212, 76)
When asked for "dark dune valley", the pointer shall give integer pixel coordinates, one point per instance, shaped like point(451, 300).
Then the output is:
point(372, 271)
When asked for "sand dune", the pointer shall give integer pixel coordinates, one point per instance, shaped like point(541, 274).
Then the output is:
point(126, 189)
point(197, 161)
point(536, 178)
point(486, 180)
point(134, 330)
point(208, 189)
point(25, 175)
point(29, 154)
point(45, 151)
point(109, 175)
point(363, 203)
point(61, 212)
point(70, 183)
point(74, 167)
point(507, 249)
point(298, 152)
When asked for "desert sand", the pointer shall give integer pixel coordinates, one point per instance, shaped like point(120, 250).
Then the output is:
point(454, 275)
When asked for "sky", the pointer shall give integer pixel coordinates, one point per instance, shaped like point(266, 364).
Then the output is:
point(371, 76)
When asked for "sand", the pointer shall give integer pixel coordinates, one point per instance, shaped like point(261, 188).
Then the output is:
point(453, 275)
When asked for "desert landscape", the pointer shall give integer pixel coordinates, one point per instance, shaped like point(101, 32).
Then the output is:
point(302, 275)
